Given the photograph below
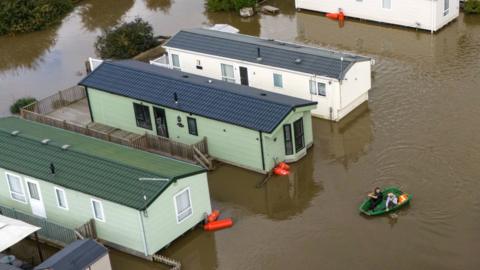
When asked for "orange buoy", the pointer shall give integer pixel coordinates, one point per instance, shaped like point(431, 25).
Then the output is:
point(280, 171)
point(283, 165)
point(213, 216)
point(333, 16)
point(402, 198)
point(218, 225)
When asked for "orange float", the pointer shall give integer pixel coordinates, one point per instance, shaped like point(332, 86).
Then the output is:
point(213, 216)
point(402, 198)
point(283, 165)
point(280, 171)
point(333, 16)
point(218, 225)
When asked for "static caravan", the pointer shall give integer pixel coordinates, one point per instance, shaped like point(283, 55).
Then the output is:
point(140, 201)
point(430, 15)
point(246, 127)
point(338, 82)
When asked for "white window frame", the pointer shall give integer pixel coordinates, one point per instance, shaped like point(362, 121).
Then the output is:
point(21, 185)
point(224, 76)
point(55, 189)
point(446, 7)
point(173, 62)
point(390, 4)
point(176, 207)
point(315, 83)
point(281, 80)
point(93, 210)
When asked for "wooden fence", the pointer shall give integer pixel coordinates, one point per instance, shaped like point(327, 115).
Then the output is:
point(39, 110)
point(54, 102)
point(87, 230)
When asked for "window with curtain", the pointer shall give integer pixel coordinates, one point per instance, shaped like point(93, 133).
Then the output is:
point(183, 205)
point(299, 135)
point(446, 7)
point(176, 61)
point(227, 73)
point(318, 88)
point(277, 80)
point(192, 126)
point(97, 208)
point(61, 198)
point(387, 4)
point(142, 116)
point(313, 88)
point(16, 188)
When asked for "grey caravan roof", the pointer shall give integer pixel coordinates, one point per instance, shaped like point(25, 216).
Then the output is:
point(76, 256)
point(222, 101)
point(274, 53)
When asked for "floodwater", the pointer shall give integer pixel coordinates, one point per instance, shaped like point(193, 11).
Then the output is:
point(419, 131)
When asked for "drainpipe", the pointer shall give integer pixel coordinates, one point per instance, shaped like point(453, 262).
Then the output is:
point(433, 18)
point(144, 238)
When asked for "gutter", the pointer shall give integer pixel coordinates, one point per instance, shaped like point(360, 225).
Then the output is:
point(144, 238)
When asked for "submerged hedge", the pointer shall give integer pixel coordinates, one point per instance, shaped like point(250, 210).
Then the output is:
point(472, 7)
point(21, 16)
point(229, 5)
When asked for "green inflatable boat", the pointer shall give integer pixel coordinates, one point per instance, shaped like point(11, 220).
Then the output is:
point(403, 199)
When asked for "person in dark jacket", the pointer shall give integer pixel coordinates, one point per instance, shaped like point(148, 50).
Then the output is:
point(376, 197)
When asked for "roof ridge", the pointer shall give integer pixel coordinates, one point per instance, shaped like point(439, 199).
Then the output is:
point(215, 87)
point(54, 144)
point(338, 53)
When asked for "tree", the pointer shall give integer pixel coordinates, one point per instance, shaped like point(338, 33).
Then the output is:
point(20, 103)
point(126, 40)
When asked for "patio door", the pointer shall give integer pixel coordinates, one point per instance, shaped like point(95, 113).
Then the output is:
point(35, 196)
point(243, 75)
point(160, 122)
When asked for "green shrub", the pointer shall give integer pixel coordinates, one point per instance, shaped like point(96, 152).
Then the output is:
point(21, 16)
point(229, 5)
point(20, 103)
point(472, 7)
point(126, 40)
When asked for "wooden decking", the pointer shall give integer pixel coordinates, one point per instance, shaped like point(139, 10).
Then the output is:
point(68, 109)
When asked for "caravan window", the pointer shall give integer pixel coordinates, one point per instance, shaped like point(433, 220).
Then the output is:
point(446, 7)
point(17, 192)
point(176, 61)
point(183, 205)
point(142, 116)
point(387, 4)
point(227, 73)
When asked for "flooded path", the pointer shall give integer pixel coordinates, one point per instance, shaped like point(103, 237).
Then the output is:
point(419, 131)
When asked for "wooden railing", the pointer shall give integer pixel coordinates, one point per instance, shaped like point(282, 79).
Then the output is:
point(54, 102)
point(87, 230)
point(38, 112)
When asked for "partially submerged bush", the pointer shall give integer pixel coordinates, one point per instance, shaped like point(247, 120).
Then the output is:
point(126, 40)
point(20, 103)
point(229, 5)
point(21, 16)
point(472, 7)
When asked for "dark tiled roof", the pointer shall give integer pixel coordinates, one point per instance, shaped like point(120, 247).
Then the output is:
point(76, 256)
point(227, 102)
point(274, 53)
point(96, 176)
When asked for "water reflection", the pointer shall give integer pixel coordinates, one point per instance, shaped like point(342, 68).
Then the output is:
point(280, 198)
point(346, 141)
point(159, 5)
point(26, 50)
point(103, 14)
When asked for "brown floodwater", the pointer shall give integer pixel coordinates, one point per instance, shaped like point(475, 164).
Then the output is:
point(419, 131)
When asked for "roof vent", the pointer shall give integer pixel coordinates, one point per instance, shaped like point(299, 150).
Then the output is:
point(210, 81)
point(175, 97)
point(52, 168)
point(45, 141)
point(298, 61)
point(65, 146)
point(259, 56)
point(185, 76)
point(15, 132)
point(263, 94)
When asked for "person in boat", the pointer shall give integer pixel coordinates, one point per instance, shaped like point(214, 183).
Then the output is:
point(392, 201)
point(376, 197)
